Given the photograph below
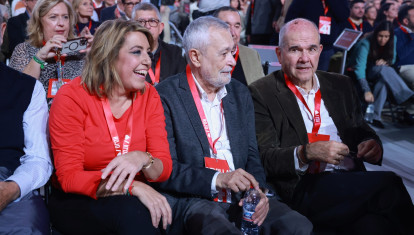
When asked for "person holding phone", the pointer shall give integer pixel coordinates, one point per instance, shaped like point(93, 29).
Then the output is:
point(52, 24)
point(108, 137)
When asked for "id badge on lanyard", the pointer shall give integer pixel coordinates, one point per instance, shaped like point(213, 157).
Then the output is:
point(314, 136)
point(325, 22)
point(219, 165)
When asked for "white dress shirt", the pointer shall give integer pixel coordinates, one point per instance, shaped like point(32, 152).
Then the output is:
point(217, 125)
point(35, 165)
point(327, 126)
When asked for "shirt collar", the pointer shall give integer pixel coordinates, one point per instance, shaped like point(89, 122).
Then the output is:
point(219, 96)
point(314, 89)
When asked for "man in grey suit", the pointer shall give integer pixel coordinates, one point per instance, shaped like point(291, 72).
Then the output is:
point(248, 63)
point(313, 141)
point(210, 171)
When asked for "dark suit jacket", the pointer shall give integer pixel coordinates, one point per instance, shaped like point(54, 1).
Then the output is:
point(15, 33)
point(188, 141)
point(280, 127)
point(108, 13)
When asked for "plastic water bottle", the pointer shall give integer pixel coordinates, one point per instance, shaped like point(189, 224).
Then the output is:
point(251, 199)
point(369, 113)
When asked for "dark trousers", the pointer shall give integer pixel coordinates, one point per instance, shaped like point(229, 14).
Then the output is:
point(356, 202)
point(202, 216)
point(27, 216)
point(78, 214)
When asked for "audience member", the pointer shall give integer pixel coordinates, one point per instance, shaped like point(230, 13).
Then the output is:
point(98, 6)
point(355, 17)
point(261, 16)
point(84, 23)
point(113, 12)
point(405, 48)
point(208, 7)
point(330, 15)
point(388, 12)
point(52, 23)
point(210, 171)
point(16, 30)
point(372, 61)
point(370, 15)
point(313, 140)
point(108, 138)
point(167, 59)
point(248, 63)
point(24, 153)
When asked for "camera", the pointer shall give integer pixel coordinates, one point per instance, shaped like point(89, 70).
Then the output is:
point(74, 45)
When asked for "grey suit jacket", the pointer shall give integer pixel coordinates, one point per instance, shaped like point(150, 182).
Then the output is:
point(280, 127)
point(188, 140)
point(251, 64)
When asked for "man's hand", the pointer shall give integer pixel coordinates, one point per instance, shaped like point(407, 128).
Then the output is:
point(370, 151)
point(369, 97)
point(238, 180)
point(327, 151)
point(9, 191)
point(261, 209)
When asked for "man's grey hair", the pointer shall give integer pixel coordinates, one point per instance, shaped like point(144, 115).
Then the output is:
point(145, 6)
point(197, 34)
point(295, 21)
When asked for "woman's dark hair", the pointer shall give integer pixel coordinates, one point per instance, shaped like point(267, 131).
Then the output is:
point(375, 50)
point(381, 15)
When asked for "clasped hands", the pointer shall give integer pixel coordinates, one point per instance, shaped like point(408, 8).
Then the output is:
point(334, 152)
point(124, 169)
point(240, 180)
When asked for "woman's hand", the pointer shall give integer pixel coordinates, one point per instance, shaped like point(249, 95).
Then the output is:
point(155, 202)
point(369, 97)
point(123, 166)
point(49, 49)
point(381, 62)
point(86, 34)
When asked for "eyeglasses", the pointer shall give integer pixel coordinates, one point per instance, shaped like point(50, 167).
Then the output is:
point(151, 22)
point(131, 4)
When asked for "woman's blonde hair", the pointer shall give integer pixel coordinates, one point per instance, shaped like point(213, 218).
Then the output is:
point(34, 26)
point(76, 3)
point(99, 75)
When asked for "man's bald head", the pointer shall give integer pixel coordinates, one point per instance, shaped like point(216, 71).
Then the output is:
point(298, 24)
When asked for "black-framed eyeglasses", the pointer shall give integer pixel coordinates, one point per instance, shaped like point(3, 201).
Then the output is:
point(131, 4)
point(151, 22)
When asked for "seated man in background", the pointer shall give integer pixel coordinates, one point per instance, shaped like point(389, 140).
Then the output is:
point(313, 141)
point(248, 63)
point(168, 59)
point(210, 127)
point(24, 153)
point(405, 50)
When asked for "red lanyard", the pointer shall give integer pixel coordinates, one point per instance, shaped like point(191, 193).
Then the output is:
point(318, 98)
point(406, 32)
point(354, 26)
point(89, 27)
point(236, 57)
point(155, 78)
point(112, 128)
point(251, 8)
point(325, 7)
point(200, 110)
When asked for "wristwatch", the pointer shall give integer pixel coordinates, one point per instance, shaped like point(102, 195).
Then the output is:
point(148, 165)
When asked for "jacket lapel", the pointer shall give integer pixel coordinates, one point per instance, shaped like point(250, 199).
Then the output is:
point(233, 125)
point(290, 107)
point(189, 105)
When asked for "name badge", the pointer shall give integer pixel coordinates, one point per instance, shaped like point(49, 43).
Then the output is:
point(317, 137)
point(54, 86)
point(224, 195)
point(325, 25)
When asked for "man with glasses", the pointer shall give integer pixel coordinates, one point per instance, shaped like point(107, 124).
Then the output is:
point(16, 31)
point(168, 59)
